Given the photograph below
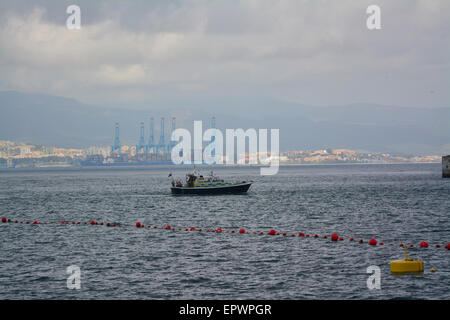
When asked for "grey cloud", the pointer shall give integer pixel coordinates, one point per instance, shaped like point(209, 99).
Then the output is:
point(316, 52)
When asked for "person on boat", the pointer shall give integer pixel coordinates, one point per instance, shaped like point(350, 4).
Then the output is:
point(190, 180)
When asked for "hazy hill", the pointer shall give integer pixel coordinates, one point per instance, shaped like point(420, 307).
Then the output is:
point(50, 120)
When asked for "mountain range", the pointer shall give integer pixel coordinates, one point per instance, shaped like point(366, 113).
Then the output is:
point(66, 122)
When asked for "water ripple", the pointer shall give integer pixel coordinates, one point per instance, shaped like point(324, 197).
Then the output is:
point(392, 203)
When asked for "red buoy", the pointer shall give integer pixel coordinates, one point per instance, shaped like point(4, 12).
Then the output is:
point(92, 222)
point(3, 219)
point(381, 243)
point(307, 235)
point(301, 234)
point(241, 230)
point(138, 224)
point(351, 239)
point(192, 228)
point(325, 236)
point(9, 220)
point(219, 230)
point(372, 242)
point(438, 246)
point(334, 237)
point(261, 233)
point(424, 244)
point(341, 238)
point(108, 224)
point(316, 235)
point(284, 233)
point(447, 246)
point(232, 231)
point(167, 227)
point(401, 244)
point(411, 245)
point(35, 222)
point(272, 232)
point(361, 240)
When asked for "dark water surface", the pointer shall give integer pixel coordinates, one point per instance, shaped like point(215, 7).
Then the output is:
point(393, 203)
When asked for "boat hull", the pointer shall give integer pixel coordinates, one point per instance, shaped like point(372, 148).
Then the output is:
point(233, 189)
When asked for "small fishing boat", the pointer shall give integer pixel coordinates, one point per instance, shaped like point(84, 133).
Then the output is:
point(197, 184)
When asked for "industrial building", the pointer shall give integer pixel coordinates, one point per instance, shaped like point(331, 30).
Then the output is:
point(446, 166)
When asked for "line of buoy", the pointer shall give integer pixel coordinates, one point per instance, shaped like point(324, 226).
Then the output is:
point(35, 222)
point(334, 236)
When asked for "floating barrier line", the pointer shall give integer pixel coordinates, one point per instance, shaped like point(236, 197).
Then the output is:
point(334, 237)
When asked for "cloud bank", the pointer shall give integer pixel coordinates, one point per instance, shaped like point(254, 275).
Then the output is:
point(313, 52)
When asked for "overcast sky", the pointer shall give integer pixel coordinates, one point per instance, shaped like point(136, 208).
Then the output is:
point(311, 52)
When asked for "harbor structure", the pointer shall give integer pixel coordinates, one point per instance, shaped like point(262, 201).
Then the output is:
point(171, 143)
point(213, 138)
point(150, 150)
point(141, 147)
point(446, 166)
point(161, 147)
point(151, 146)
point(116, 149)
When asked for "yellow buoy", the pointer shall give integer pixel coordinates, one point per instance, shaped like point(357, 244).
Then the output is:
point(407, 265)
point(433, 270)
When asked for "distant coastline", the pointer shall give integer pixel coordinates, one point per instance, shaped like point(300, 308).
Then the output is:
point(200, 167)
point(22, 155)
